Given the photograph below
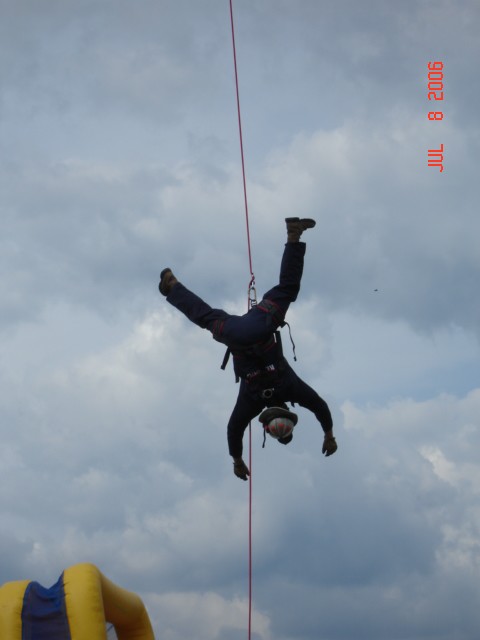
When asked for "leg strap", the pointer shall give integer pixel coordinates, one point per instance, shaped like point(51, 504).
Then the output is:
point(273, 310)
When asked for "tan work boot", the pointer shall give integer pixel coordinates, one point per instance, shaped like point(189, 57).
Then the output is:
point(296, 226)
point(167, 280)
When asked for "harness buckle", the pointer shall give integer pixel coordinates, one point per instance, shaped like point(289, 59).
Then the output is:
point(266, 394)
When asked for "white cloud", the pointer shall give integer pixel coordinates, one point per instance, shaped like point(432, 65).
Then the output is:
point(211, 616)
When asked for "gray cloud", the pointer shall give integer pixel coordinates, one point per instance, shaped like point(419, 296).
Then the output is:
point(119, 156)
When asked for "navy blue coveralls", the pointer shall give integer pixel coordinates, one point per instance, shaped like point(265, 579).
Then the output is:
point(257, 358)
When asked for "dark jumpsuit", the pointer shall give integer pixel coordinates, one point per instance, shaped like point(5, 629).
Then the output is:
point(257, 359)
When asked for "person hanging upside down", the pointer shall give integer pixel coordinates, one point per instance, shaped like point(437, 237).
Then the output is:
point(266, 378)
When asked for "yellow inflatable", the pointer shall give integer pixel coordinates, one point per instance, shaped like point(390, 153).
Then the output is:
point(77, 607)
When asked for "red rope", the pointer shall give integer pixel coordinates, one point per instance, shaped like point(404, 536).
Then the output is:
point(251, 288)
point(252, 281)
point(250, 532)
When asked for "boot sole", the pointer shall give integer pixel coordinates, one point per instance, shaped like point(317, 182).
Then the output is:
point(307, 223)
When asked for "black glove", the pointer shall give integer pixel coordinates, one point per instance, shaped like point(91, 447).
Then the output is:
point(329, 446)
point(240, 469)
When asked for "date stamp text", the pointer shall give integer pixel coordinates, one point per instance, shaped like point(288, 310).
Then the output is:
point(435, 93)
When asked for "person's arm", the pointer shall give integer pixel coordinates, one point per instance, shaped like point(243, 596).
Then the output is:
point(243, 412)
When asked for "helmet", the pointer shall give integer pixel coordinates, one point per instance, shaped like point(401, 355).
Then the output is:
point(279, 428)
point(279, 422)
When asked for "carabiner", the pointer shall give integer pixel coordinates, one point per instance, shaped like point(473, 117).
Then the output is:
point(252, 293)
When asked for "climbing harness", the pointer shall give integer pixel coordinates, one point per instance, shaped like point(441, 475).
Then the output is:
point(262, 354)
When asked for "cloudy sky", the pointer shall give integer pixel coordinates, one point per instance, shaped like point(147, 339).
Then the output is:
point(119, 155)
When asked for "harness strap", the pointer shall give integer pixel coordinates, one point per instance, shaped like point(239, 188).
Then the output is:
point(291, 340)
point(226, 358)
point(273, 310)
point(217, 329)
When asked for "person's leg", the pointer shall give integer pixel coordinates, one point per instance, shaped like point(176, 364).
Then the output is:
point(291, 271)
point(262, 320)
point(196, 309)
point(277, 300)
point(226, 328)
